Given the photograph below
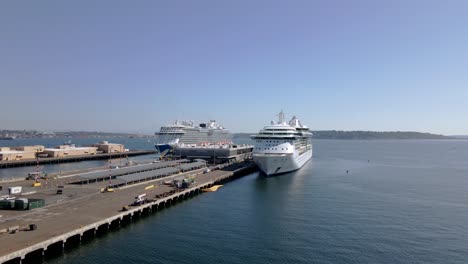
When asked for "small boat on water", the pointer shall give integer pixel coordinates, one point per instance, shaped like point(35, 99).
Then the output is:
point(212, 189)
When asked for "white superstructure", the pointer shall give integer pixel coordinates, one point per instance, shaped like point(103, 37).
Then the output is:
point(282, 147)
point(187, 133)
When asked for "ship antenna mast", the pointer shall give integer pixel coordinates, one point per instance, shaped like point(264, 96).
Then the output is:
point(281, 117)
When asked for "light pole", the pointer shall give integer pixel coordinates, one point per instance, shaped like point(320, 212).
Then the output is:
point(37, 167)
point(110, 172)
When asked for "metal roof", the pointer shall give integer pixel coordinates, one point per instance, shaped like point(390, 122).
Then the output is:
point(148, 175)
point(189, 166)
point(130, 170)
point(158, 173)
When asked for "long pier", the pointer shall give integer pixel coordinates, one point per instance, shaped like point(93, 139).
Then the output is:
point(32, 162)
point(97, 215)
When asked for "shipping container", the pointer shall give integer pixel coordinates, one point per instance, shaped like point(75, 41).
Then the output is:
point(36, 203)
point(5, 204)
point(21, 204)
point(12, 204)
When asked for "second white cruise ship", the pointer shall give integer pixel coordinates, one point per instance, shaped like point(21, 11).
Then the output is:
point(187, 133)
point(282, 147)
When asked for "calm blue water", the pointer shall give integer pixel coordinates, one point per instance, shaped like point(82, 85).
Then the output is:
point(402, 202)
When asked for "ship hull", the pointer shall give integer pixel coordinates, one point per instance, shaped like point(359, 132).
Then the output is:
point(281, 163)
point(162, 147)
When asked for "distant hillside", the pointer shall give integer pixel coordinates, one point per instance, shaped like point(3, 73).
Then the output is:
point(336, 134)
point(17, 134)
point(91, 134)
point(461, 136)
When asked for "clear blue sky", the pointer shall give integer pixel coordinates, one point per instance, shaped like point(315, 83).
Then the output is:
point(131, 66)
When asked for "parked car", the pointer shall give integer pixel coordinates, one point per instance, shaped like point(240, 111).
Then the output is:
point(34, 175)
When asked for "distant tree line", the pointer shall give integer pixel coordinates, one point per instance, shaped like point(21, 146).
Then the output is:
point(17, 134)
point(338, 134)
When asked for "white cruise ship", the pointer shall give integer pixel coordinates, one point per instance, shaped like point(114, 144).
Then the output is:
point(187, 133)
point(282, 147)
